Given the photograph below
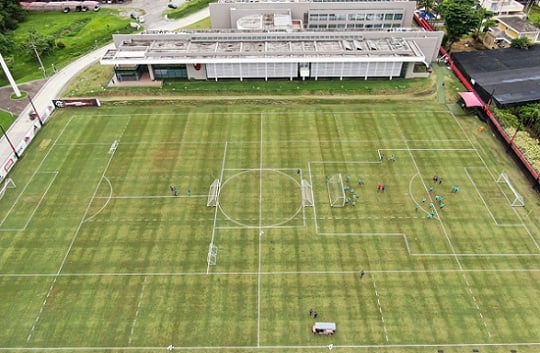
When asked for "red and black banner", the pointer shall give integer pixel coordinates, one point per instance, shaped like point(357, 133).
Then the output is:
point(76, 103)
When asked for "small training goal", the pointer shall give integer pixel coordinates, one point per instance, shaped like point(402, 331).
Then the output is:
point(8, 184)
point(213, 193)
point(518, 200)
point(336, 192)
point(212, 255)
point(307, 194)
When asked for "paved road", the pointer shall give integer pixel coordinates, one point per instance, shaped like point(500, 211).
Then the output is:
point(44, 91)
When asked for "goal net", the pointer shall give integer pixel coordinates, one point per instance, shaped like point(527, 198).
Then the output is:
point(212, 254)
point(518, 199)
point(8, 184)
point(336, 192)
point(213, 193)
point(307, 194)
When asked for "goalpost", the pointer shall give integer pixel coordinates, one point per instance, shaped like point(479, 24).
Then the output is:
point(8, 184)
point(307, 194)
point(213, 193)
point(212, 254)
point(336, 192)
point(518, 199)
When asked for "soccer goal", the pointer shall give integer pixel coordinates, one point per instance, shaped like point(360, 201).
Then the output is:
point(307, 194)
point(518, 201)
point(213, 193)
point(212, 254)
point(8, 184)
point(336, 192)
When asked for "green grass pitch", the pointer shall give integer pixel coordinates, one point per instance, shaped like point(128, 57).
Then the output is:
point(97, 254)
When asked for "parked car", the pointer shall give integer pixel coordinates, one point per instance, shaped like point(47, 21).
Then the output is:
point(134, 16)
point(141, 19)
point(172, 6)
point(97, 8)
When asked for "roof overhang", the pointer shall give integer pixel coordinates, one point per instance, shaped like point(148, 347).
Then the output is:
point(471, 99)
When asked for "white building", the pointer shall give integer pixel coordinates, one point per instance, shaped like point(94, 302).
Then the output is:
point(284, 39)
point(503, 7)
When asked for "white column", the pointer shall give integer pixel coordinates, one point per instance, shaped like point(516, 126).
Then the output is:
point(9, 77)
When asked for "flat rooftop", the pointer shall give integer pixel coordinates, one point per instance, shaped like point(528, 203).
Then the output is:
point(171, 46)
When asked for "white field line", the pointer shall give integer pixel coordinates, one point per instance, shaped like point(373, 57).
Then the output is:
point(73, 239)
point(494, 179)
point(139, 303)
point(35, 208)
point(142, 197)
point(260, 169)
point(217, 203)
point(259, 227)
point(385, 347)
point(480, 195)
point(106, 202)
point(315, 223)
point(261, 149)
point(40, 164)
point(451, 245)
point(254, 273)
point(379, 306)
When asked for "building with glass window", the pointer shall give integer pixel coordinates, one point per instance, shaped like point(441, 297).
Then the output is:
point(297, 39)
point(315, 14)
point(233, 54)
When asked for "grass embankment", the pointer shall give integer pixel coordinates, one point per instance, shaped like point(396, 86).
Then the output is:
point(74, 34)
point(94, 83)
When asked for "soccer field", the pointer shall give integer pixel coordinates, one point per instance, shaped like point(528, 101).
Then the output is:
point(114, 239)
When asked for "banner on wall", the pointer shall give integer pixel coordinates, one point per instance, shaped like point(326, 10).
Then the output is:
point(76, 103)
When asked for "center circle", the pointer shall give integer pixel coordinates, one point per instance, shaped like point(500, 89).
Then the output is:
point(260, 198)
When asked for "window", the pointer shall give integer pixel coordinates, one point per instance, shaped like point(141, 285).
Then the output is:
point(398, 17)
point(389, 17)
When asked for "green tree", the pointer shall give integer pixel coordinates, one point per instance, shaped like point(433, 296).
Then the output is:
point(521, 43)
point(529, 116)
point(460, 18)
point(11, 13)
point(39, 45)
point(486, 21)
point(428, 5)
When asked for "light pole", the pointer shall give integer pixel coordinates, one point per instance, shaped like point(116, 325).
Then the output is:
point(33, 45)
point(35, 110)
point(9, 77)
point(9, 141)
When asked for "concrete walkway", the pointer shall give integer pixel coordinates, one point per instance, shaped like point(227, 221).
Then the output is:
point(44, 91)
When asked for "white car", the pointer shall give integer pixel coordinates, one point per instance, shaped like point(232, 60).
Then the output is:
point(141, 19)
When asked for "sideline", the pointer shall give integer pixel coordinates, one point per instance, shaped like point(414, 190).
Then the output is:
point(23, 129)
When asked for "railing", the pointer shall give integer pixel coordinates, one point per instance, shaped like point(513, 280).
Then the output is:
point(508, 140)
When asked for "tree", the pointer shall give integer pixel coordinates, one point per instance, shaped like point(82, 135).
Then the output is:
point(11, 13)
point(460, 18)
point(521, 43)
point(39, 45)
point(529, 116)
point(428, 5)
point(486, 21)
